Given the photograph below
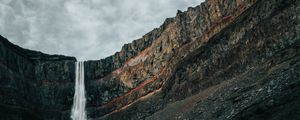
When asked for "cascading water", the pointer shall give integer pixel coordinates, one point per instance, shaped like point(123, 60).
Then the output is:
point(78, 109)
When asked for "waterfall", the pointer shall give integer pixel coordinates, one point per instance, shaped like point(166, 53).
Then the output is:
point(78, 109)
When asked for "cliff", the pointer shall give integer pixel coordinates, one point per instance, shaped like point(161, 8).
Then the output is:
point(227, 59)
point(34, 85)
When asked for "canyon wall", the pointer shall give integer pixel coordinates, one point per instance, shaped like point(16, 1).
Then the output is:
point(229, 59)
point(201, 48)
point(34, 85)
point(153, 63)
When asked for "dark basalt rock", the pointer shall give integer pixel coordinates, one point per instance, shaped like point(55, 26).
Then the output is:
point(221, 60)
point(34, 85)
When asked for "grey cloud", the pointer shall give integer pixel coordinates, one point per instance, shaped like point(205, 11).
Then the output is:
point(87, 29)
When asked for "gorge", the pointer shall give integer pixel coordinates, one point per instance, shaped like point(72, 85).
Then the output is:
point(220, 60)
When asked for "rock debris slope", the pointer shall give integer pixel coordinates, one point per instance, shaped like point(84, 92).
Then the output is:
point(223, 59)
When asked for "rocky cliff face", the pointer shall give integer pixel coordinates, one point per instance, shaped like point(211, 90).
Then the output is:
point(230, 59)
point(137, 76)
point(34, 85)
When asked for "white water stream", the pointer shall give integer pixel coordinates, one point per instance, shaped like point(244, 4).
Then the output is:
point(78, 109)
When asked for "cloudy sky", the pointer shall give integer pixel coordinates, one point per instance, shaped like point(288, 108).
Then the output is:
point(86, 29)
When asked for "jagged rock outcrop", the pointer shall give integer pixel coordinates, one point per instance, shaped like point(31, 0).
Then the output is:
point(229, 59)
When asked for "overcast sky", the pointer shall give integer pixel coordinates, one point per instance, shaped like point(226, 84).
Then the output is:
point(86, 29)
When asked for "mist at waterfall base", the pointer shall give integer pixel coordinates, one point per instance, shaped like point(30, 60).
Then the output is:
point(78, 109)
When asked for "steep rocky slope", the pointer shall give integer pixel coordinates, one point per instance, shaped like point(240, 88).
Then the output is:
point(199, 49)
point(229, 59)
point(148, 69)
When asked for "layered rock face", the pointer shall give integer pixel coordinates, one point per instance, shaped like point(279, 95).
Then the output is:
point(34, 85)
point(196, 54)
point(229, 59)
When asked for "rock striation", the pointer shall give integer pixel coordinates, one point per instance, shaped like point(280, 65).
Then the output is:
point(229, 59)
